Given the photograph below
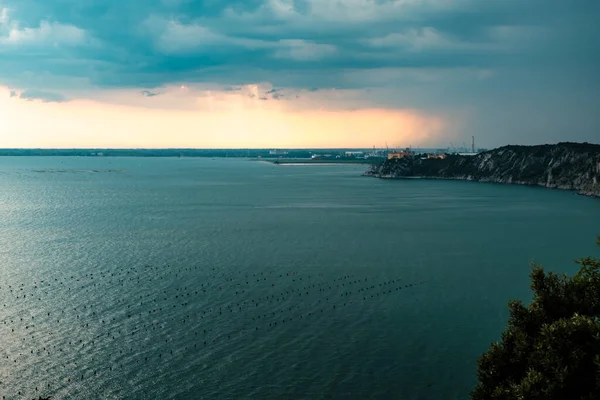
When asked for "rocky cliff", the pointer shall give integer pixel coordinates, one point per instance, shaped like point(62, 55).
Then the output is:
point(571, 166)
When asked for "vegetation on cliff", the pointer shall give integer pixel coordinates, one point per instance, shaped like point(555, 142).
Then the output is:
point(574, 166)
point(551, 348)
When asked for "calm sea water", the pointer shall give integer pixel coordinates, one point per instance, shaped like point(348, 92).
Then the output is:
point(200, 278)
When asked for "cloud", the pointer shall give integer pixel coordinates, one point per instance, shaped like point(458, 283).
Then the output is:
point(173, 37)
point(32, 94)
point(304, 50)
point(3, 16)
point(230, 42)
point(424, 39)
point(52, 34)
point(276, 94)
point(180, 38)
point(148, 93)
point(469, 57)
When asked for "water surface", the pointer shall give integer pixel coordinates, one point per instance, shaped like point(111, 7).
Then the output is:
point(121, 269)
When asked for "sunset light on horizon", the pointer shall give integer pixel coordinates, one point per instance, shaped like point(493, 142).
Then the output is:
point(207, 119)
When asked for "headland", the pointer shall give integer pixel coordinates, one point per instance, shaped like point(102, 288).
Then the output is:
point(568, 166)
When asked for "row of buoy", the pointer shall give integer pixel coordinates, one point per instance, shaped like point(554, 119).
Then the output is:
point(221, 286)
point(115, 335)
point(196, 292)
point(262, 300)
point(38, 284)
point(197, 345)
point(203, 287)
point(229, 308)
point(168, 271)
point(184, 293)
point(205, 342)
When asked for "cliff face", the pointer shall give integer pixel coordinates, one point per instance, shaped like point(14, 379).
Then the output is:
point(571, 166)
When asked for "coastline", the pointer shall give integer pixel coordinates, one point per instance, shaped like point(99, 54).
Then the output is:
point(580, 192)
point(563, 166)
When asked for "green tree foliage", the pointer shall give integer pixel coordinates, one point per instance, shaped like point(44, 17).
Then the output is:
point(551, 348)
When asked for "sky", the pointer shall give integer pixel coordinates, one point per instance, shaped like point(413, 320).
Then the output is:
point(298, 73)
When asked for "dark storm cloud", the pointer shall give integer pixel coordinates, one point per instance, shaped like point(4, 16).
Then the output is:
point(536, 58)
point(113, 42)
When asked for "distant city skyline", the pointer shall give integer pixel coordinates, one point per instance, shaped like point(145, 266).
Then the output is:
point(297, 73)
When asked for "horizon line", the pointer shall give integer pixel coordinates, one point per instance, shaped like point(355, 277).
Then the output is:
point(270, 148)
point(212, 148)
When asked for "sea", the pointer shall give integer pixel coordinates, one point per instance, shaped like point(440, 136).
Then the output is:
point(199, 278)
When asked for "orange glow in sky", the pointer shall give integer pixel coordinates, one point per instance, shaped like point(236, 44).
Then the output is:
point(206, 119)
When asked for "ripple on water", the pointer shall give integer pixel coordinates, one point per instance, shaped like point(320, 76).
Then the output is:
point(210, 228)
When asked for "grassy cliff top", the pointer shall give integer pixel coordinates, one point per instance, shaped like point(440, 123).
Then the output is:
point(540, 148)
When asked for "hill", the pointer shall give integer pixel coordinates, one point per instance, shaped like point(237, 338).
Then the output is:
point(570, 166)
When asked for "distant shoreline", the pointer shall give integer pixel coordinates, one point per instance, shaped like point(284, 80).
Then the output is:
point(267, 154)
point(321, 162)
point(313, 164)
